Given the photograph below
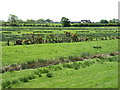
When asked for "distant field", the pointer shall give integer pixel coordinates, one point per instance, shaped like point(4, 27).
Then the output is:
point(20, 54)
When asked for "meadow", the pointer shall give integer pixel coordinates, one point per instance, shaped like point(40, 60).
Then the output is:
point(68, 75)
point(24, 53)
point(69, 48)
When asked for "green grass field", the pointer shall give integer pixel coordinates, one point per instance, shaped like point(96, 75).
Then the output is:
point(23, 53)
point(92, 73)
point(97, 75)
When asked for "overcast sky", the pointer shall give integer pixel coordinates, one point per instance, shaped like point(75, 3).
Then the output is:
point(75, 10)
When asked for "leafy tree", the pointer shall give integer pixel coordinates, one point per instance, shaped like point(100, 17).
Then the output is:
point(41, 21)
point(31, 21)
point(12, 19)
point(20, 21)
point(103, 21)
point(65, 22)
point(114, 21)
point(48, 21)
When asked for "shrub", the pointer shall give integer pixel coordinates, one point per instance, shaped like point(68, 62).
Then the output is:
point(32, 76)
point(57, 68)
point(76, 65)
point(45, 70)
point(40, 75)
point(71, 58)
point(30, 62)
point(87, 63)
point(85, 54)
point(41, 60)
point(97, 47)
point(76, 68)
point(98, 60)
point(83, 65)
point(49, 75)
point(113, 59)
point(112, 54)
point(66, 65)
point(5, 84)
point(36, 72)
point(92, 62)
point(15, 81)
point(61, 58)
point(24, 66)
point(24, 79)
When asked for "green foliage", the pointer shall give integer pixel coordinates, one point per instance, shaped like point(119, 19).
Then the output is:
point(30, 62)
point(112, 54)
point(97, 47)
point(49, 75)
point(24, 79)
point(87, 63)
point(78, 78)
point(32, 76)
point(44, 70)
point(15, 81)
point(62, 58)
point(85, 54)
point(6, 84)
point(103, 21)
point(54, 68)
point(46, 51)
point(66, 65)
point(65, 22)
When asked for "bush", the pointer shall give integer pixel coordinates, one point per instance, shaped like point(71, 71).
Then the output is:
point(66, 65)
point(45, 70)
point(24, 66)
point(6, 84)
point(62, 58)
point(97, 47)
point(40, 75)
point(76, 65)
point(15, 82)
point(87, 63)
point(32, 76)
point(71, 58)
point(113, 59)
point(24, 79)
point(30, 62)
point(92, 62)
point(57, 68)
point(36, 72)
point(98, 60)
point(41, 60)
point(85, 54)
point(49, 75)
point(83, 65)
point(112, 54)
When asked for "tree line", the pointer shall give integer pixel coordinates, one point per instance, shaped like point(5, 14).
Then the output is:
point(13, 20)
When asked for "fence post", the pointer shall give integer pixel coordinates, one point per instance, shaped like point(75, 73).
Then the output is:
point(8, 42)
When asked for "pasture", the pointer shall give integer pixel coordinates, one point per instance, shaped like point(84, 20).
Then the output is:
point(65, 45)
point(24, 53)
point(69, 75)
